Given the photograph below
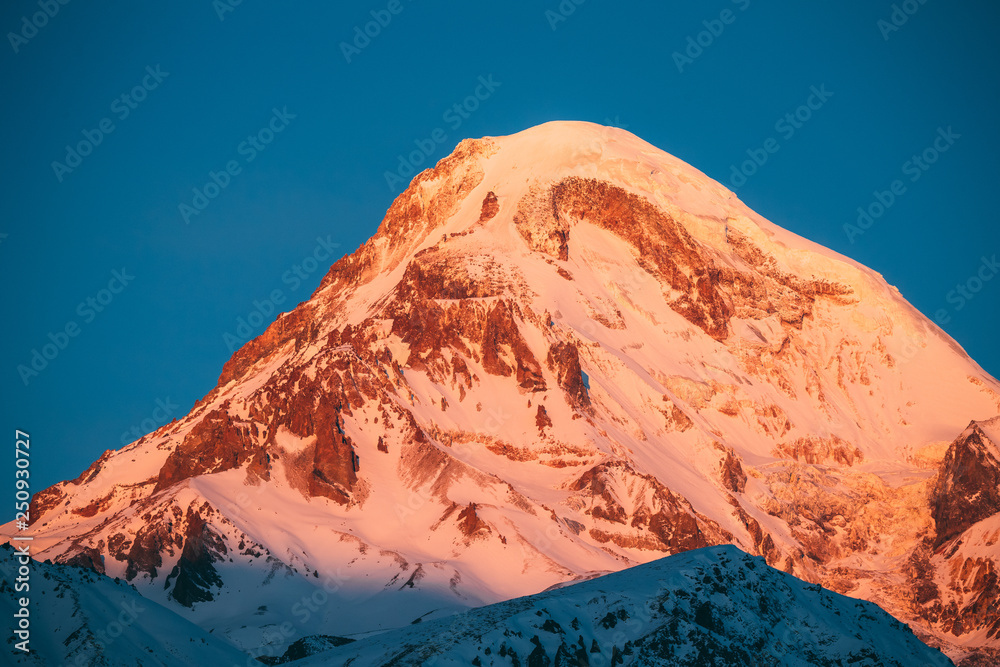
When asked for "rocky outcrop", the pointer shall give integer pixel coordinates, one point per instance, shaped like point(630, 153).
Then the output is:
point(95, 506)
point(731, 473)
point(148, 547)
point(564, 360)
point(88, 558)
point(502, 334)
point(490, 207)
point(542, 419)
point(657, 519)
point(305, 647)
point(763, 543)
point(335, 465)
point(216, 444)
point(297, 325)
point(968, 486)
point(44, 501)
point(194, 577)
point(314, 408)
point(979, 580)
point(814, 449)
point(433, 273)
point(469, 522)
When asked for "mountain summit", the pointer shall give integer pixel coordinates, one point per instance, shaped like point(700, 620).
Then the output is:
point(564, 353)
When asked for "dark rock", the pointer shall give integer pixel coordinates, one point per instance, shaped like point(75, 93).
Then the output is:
point(490, 207)
point(469, 522)
point(732, 474)
point(216, 444)
point(564, 360)
point(968, 485)
point(542, 419)
point(194, 573)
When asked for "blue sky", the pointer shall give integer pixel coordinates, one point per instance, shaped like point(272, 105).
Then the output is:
point(292, 134)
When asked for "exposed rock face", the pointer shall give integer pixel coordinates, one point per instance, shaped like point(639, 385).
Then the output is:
point(469, 522)
point(216, 444)
point(194, 575)
point(293, 326)
point(490, 207)
point(433, 274)
point(414, 216)
point(87, 558)
point(542, 419)
point(731, 471)
point(564, 360)
point(664, 246)
point(43, 501)
point(978, 579)
point(812, 449)
point(305, 647)
point(658, 518)
point(968, 486)
point(335, 464)
point(502, 334)
point(147, 550)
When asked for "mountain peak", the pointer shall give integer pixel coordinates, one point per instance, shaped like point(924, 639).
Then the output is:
point(563, 352)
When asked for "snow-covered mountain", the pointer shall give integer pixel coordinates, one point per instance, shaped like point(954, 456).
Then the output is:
point(564, 353)
point(82, 618)
point(710, 606)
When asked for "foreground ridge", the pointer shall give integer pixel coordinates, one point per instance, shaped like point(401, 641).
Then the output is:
point(710, 606)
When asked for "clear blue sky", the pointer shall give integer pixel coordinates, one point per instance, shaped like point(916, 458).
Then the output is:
point(161, 335)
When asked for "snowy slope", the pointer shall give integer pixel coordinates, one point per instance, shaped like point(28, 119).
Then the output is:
point(712, 606)
point(82, 618)
point(564, 353)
